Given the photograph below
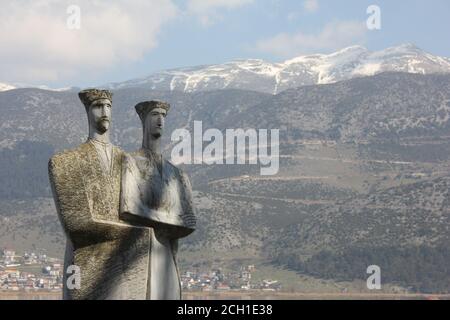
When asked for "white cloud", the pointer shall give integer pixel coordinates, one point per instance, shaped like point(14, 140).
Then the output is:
point(333, 36)
point(37, 45)
point(208, 11)
point(311, 5)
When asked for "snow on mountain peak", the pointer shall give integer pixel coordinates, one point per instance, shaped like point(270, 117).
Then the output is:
point(264, 76)
point(260, 75)
point(258, 66)
point(356, 49)
point(6, 87)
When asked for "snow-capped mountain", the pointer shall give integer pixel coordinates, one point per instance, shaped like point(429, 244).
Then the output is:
point(44, 87)
point(263, 76)
point(6, 87)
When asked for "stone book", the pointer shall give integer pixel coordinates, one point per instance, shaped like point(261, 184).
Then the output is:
point(154, 198)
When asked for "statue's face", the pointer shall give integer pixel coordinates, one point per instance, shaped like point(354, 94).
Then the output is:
point(99, 114)
point(154, 122)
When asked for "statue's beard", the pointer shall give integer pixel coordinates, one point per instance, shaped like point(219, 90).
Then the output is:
point(102, 125)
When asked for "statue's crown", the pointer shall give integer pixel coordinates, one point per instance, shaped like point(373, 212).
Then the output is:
point(90, 95)
point(143, 108)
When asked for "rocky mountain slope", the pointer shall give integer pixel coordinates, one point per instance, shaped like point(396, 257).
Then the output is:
point(364, 165)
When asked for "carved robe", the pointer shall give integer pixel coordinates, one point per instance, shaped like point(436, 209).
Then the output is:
point(113, 256)
point(158, 194)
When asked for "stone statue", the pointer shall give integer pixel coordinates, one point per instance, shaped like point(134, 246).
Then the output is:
point(113, 256)
point(157, 194)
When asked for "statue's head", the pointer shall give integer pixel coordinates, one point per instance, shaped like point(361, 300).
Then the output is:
point(152, 115)
point(98, 105)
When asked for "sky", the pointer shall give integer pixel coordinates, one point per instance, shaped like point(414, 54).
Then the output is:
point(61, 43)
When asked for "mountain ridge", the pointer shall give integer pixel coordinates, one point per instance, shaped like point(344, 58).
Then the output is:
point(274, 77)
point(263, 76)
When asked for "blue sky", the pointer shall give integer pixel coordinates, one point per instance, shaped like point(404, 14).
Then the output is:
point(119, 40)
point(187, 42)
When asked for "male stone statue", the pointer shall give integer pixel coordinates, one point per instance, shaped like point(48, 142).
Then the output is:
point(157, 194)
point(113, 256)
